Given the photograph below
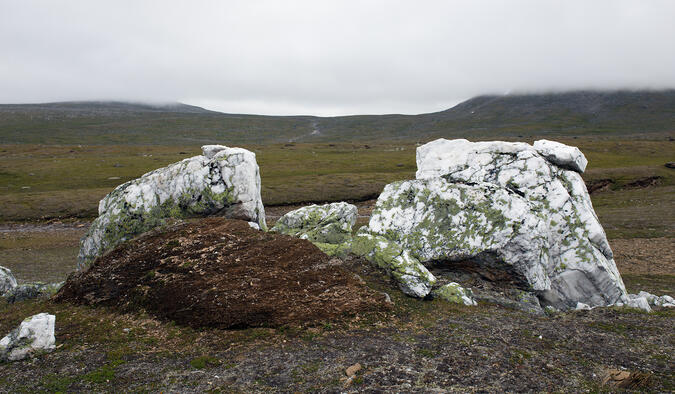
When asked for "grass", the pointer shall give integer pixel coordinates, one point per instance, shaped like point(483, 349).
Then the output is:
point(42, 182)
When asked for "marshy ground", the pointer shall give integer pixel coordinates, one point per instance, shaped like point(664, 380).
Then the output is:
point(49, 194)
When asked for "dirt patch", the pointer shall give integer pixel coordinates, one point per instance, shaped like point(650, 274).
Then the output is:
point(645, 255)
point(644, 182)
point(599, 185)
point(222, 273)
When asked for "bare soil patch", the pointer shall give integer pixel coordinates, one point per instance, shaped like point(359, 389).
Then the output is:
point(644, 255)
point(222, 273)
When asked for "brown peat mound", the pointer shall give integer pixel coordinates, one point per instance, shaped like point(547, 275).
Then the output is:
point(222, 273)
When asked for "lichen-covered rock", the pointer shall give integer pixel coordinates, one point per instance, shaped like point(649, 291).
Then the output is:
point(33, 336)
point(7, 280)
point(224, 181)
point(328, 223)
point(413, 278)
point(29, 291)
point(510, 212)
point(453, 292)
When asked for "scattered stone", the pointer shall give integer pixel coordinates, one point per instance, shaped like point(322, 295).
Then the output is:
point(582, 307)
point(644, 301)
point(34, 335)
point(453, 292)
point(670, 164)
point(327, 226)
point(224, 182)
point(506, 211)
point(7, 280)
point(662, 301)
point(617, 378)
point(352, 370)
point(215, 272)
point(29, 291)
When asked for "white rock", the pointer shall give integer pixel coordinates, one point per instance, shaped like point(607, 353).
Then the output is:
point(502, 206)
point(582, 307)
point(634, 301)
point(324, 225)
point(566, 156)
point(7, 280)
point(454, 292)
point(224, 181)
point(34, 335)
point(663, 301)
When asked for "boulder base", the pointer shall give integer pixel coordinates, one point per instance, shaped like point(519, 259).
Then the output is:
point(215, 272)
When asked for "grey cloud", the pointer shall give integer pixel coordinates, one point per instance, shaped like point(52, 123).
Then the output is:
point(329, 57)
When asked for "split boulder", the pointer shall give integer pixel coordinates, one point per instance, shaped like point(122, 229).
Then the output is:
point(513, 212)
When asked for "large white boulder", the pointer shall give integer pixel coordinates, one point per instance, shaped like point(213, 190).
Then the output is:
point(511, 211)
point(7, 280)
point(223, 181)
point(33, 336)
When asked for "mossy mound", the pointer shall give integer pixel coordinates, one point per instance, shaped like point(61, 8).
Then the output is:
point(222, 273)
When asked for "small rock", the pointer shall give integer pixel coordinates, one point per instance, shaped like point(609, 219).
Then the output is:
point(324, 225)
point(29, 291)
point(634, 301)
point(7, 280)
point(34, 335)
point(670, 164)
point(582, 307)
point(351, 371)
point(453, 292)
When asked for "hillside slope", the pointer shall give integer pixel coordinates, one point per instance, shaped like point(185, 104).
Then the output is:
point(618, 113)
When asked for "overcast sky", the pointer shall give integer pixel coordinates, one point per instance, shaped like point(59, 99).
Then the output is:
point(328, 57)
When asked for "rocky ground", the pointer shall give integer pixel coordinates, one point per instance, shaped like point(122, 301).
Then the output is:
point(418, 346)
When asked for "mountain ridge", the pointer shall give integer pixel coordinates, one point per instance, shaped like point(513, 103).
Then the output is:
point(602, 113)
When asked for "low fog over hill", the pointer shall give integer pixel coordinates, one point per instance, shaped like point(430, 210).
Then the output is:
point(617, 113)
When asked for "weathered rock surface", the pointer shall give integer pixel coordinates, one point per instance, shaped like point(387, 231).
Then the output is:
point(507, 211)
point(327, 226)
point(454, 292)
point(216, 272)
point(33, 336)
point(223, 181)
point(28, 291)
point(412, 277)
point(7, 280)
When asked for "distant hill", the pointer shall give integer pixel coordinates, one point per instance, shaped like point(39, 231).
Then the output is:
point(616, 113)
